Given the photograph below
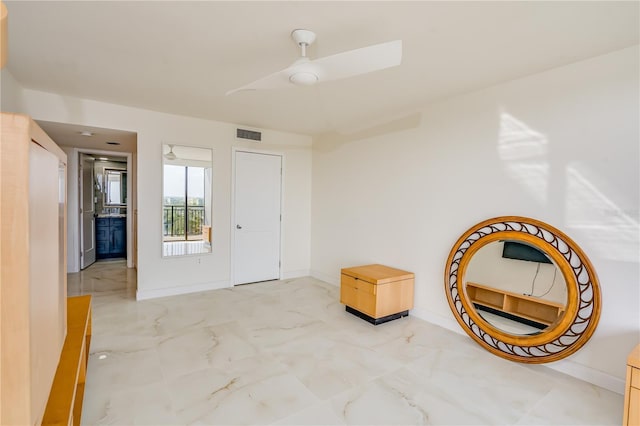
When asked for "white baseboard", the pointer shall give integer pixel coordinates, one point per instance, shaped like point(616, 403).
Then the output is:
point(579, 371)
point(444, 322)
point(294, 274)
point(324, 277)
point(566, 366)
point(175, 291)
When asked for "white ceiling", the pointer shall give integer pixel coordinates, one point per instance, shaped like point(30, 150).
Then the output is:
point(100, 140)
point(181, 57)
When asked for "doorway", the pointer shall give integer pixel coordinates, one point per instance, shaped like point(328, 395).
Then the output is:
point(104, 198)
point(95, 142)
point(257, 214)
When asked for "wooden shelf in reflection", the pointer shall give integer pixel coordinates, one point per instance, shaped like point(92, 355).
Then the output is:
point(527, 307)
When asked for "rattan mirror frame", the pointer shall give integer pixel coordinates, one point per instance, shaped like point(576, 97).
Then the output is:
point(559, 340)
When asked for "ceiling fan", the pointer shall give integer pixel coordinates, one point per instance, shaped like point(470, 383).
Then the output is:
point(307, 72)
point(170, 155)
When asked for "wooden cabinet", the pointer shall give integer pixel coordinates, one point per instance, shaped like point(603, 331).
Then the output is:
point(111, 237)
point(67, 392)
point(631, 415)
point(529, 308)
point(377, 293)
point(33, 267)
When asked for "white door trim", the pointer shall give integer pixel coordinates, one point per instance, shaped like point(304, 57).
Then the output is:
point(232, 224)
point(84, 263)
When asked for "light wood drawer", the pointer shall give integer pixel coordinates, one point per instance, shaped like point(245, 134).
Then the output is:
point(357, 298)
point(367, 304)
point(348, 295)
point(635, 378)
point(357, 284)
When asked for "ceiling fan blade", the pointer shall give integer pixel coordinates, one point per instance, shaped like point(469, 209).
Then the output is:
point(277, 80)
point(359, 61)
point(334, 67)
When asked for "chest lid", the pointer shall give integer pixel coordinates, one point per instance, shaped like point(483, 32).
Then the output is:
point(377, 274)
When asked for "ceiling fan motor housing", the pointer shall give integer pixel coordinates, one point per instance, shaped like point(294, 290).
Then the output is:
point(303, 37)
point(303, 78)
point(303, 72)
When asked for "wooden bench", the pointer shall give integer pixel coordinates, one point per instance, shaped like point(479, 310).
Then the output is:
point(64, 406)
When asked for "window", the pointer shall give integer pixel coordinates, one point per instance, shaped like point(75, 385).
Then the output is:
point(184, 203)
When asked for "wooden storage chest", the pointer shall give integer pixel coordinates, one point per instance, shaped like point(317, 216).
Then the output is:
point(377, 293)
point(632, 390)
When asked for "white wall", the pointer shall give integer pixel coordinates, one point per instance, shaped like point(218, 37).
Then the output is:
point(159, 276)
point(10, 92)
point(559, 146)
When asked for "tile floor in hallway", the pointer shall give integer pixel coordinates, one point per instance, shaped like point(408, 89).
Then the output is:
point(287, 353)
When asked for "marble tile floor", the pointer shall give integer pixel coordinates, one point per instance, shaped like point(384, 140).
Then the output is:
point(286, 353)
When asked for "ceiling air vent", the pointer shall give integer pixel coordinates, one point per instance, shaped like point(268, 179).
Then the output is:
point(249, 135)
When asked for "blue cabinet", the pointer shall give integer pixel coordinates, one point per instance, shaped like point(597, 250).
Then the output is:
point(102, 236)
point(111, 237)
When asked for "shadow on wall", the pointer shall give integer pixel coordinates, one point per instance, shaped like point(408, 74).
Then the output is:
point(610, 227)
point(604, 224)
point(330, 141)
point(523, 151)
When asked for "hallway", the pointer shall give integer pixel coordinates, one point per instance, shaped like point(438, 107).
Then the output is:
point(104, 278)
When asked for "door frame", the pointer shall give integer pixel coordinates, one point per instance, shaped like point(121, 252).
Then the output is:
point(232, 225)
point(130, 210)
point(81, 228)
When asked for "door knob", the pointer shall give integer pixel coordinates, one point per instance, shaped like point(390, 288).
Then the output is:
point(238, 227)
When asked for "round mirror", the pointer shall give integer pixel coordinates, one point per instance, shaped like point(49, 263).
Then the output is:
point(522, 289)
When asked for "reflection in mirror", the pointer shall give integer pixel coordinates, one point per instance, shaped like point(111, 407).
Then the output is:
point(115, 187)
point(186, 208)
point(515, 287)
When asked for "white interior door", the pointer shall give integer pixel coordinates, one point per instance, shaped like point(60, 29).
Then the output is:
point(258, 180)
point(87, 203)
